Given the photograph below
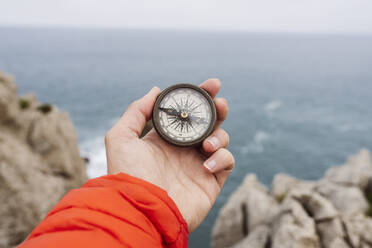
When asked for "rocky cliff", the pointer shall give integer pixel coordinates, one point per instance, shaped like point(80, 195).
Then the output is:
point(334, 212)
point(39, 161)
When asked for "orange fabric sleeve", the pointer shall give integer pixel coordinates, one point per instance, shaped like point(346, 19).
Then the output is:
point(112, 211)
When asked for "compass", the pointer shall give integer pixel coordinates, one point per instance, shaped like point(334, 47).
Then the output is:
point(184, 115)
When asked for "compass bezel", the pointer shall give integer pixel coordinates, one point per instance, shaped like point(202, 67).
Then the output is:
point(156, 121)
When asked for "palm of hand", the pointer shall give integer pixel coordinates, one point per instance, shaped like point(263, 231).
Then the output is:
point(179, 171)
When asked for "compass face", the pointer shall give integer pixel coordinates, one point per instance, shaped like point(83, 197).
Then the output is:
point(184, 115)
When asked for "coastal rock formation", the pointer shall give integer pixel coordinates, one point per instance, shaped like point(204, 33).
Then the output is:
point(39, 161)
point(333, 212)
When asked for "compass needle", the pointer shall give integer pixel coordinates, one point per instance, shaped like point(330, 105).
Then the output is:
point(169, 111)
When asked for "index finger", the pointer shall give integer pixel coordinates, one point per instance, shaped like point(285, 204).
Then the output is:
point(212, 86)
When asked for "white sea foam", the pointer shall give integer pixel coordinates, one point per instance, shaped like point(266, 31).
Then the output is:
point(94, 150)
point(272, 106)
point(346, 127)
point(257, 144)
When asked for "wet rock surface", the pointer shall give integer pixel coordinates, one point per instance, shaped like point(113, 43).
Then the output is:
point(333, 212)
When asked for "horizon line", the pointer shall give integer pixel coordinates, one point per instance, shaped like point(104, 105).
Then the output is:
point(211, 30)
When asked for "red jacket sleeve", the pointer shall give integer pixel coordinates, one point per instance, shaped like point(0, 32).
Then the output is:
point(112, 211)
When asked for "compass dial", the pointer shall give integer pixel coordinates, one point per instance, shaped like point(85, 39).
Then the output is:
point(184, 115)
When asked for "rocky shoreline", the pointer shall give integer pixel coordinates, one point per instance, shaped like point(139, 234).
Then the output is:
point(333, 212)
point(39, 161)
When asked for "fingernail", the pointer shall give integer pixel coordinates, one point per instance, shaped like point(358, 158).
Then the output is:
point(214, 141)
point(210, 164)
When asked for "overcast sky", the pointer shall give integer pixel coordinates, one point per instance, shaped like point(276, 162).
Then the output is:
point(335, 16)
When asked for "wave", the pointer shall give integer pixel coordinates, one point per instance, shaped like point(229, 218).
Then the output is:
point(94, 150)
point(272, 106)
point(257, 144)
point(351, 127)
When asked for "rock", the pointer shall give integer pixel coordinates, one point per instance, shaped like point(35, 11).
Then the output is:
point(283, 183)
point(261, 207)
point(258, 238)
point(53, 137)
point(328, 225)
point(8, 98)
point(30, 101)
point(331, 232)
point(39, 162)
point(359, 229)
point(250, 206)
point(338, 243)
point(356, 172)
point(352, 231)
point(231, 225)
point(26, 192)
point(293, 227)
point(346, 199)
point(317, 206)
point(329, 213)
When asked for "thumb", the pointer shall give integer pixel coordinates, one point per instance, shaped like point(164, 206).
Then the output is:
point(138, 113)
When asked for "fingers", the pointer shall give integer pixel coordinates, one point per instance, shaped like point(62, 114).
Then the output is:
point(222, 159)
point(218, 139)
point(212, 86)
point(222, 110)
point(221, 164)
point(138, 113)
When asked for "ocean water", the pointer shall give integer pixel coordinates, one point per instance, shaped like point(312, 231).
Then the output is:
point(298, 103)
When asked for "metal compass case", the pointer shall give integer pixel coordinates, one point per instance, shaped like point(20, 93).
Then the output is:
point(184, 115)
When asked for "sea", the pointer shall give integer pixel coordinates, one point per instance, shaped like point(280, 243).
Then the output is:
point(298, 103)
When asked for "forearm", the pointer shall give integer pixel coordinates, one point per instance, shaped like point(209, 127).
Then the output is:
point(112, 211)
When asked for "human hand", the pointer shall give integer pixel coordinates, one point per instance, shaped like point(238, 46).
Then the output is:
point(193, 177)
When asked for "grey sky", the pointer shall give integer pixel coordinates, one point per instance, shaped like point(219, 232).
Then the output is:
point(343, 16)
